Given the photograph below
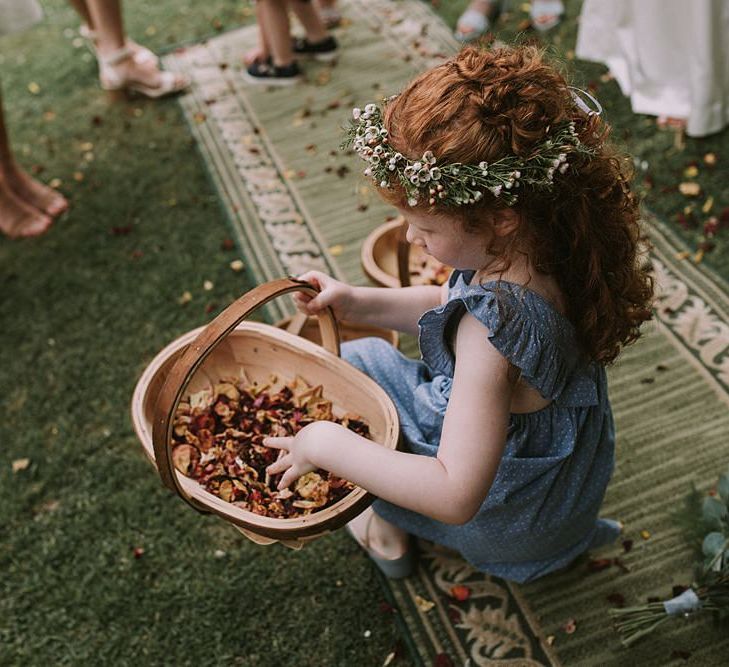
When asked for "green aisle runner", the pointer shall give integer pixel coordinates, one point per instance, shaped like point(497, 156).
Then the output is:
point(296, 202)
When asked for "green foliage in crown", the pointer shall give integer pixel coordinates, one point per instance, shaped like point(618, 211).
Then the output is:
point(458, 184)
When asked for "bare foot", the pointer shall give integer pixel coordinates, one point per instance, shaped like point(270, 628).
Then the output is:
point(19, 219)
point(377, 535)
point(35, 193)
point(668, 122)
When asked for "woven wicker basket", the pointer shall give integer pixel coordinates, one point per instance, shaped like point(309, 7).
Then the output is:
point(201, 357)
point(386, 255)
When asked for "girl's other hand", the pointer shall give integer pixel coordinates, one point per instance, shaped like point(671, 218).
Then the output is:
point(297, 458)
point(337, 295)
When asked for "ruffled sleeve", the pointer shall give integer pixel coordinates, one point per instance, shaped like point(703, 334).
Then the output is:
point(524, 328)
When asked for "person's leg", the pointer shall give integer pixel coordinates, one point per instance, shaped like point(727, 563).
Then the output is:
point(83, 11)
point(311, 20)
point(119, 68)
point(274, 18)
point(262, 52)
point(19, 216)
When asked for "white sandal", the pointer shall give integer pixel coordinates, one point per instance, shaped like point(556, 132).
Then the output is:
point(477, 22)
point(141, 54)
point(111, 79)
point(546, 14)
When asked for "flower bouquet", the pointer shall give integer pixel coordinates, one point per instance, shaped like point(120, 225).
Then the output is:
point(709, 593)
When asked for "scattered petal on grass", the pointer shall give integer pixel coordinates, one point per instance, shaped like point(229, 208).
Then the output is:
point(336, 250)
point(570, 626)
point(692, 171)
point(227, 244)
point(339, 583)
point(367, 634)
point(237, 265)
point(442, 660)
point(689, 189)
point(49, 116)
point(550, 640)
point(219, 553)
point(710, 159)
point(184, 298)
point(20, 464)
point(150, 31)
point(645, 534)
point(199, 117)
point(423, 604)
point(34, 88)
point(208, 285)
point(56, 183)
point(388, 659)
point(684, 254)
point(78, 176)
point(460, 593)
point(138, 552)
point(708, 204)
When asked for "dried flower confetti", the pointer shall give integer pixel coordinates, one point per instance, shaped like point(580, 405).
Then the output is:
point(34, 88)
point(570, 626)
point(237, 266)
point(645, 534)
point(184, 298)
point(208, 285)
point(217, 440)
point(689, 189)
point(423, 604)
point(20, 464)
point(460, 593)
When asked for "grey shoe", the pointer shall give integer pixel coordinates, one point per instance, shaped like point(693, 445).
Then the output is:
point(393, 568)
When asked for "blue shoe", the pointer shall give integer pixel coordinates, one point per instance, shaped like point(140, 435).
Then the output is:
point(392, 568)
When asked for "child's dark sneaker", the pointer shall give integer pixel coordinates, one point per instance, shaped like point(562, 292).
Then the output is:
point(268, 74)
point(325, 51)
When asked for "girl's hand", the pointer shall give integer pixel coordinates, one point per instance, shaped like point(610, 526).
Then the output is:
point(297, 460)
point(337, 295)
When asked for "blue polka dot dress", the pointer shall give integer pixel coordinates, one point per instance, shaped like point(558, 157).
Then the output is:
point(542, 509)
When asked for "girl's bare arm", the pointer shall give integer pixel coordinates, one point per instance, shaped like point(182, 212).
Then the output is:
point(450, 487)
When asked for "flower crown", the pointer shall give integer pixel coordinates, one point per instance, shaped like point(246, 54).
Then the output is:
point(458, 184)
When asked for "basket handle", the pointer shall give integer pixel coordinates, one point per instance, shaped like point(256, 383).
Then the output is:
point(403, 255)
point(198, 350)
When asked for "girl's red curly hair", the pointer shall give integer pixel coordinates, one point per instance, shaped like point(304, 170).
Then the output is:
point(485, 104)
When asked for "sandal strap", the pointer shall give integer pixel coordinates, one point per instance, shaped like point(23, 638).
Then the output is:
point(118, 56)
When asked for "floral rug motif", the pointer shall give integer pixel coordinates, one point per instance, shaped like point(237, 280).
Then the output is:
point(295, 202)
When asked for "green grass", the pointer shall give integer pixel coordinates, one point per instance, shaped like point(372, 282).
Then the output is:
point(85, 308)
point(83, 311)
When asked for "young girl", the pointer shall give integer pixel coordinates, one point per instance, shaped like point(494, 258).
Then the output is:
point(502, 172)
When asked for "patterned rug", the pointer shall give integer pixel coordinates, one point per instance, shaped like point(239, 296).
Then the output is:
point(296, 202)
